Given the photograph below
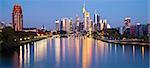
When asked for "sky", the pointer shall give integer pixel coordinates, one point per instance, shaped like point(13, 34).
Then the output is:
point(37, 13)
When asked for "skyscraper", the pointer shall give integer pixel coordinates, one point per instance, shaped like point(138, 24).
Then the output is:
point(101, 24)
point(66, 24)
point(96, 17)
point(77, 23)
point(127, 22)
point(105, 24)
point(71, 25)
point(86, 16)
point(96, 21)
point(57, 25)
point(17, 18)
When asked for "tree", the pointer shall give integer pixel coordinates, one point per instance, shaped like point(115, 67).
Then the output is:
point(8, 38)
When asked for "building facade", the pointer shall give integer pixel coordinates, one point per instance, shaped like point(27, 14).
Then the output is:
point(17, 18)
point(57, 25)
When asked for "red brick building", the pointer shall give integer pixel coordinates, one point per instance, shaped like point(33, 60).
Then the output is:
point(17, 18)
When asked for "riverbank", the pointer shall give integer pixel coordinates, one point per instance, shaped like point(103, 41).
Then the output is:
point(126, 42)
point(14, 45)
point(33, 40)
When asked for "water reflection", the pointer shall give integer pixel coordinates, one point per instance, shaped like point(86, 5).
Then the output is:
point(87, 53)
point(77, 48)
point(78, 52)
point(57, 50)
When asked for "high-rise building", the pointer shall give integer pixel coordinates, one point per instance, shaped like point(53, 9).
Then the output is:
point(108, 26)
point(101, 24)
point(17, 18)
point(96, 17)
point(65, 24)
point(86, 16)
point(97, 21)
point(57, 25)
point(127, 22)
point(105, 24)
point(77, 24)
point(70, 29)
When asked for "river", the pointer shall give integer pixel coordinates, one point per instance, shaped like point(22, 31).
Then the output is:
point(75, 52)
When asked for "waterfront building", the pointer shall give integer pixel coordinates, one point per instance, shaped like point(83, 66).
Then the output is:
point(105, 24)
point(66, 24)
point(70, 25)
point(127, 22)
point(81, 26)
point(30, 29)
point(135, 31)
point(97, 20)
point(77, 24)
point(63, 24)
point(57, 25)
point(108, 26)
point(101, 24)
point(132, 30)
point(1, 26)
point(17, 18)
point(86, 17)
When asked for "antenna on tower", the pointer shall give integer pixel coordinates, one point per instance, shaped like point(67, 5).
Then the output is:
point(84, 4)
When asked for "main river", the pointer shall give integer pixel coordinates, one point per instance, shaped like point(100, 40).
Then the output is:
point(75, 52)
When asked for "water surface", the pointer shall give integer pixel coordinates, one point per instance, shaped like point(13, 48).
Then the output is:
point(76, 52)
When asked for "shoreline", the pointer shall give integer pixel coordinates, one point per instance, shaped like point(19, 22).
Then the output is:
point(32, 40)
point(126, 42)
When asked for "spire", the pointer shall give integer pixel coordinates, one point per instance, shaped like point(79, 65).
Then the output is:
point(84, 8)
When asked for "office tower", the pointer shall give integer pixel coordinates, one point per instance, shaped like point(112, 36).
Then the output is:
point(66, 24)
point(70, 25)
point(96, 17)
point(86, 16)
point(101, 24)
point(77, 23)
point(127, 22)
point(97, 20)
point(17, 18)
point(105, 24)
point(63, 24)
point(108, 26)
point(57, 25)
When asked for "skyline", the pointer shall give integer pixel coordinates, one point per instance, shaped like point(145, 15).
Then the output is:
point(51, 10)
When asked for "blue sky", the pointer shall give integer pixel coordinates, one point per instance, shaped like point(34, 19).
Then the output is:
point(44, 12)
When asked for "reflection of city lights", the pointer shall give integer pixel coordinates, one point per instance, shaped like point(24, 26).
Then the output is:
point(28, 53)
point(96, 54)
point(25, 54)
point(86, 53)
point(57, 50)
point(143, 52)
point(77, 50)
point(123, 50)
point(63, 49)
point(35, 52)
point(41, 49)
point(20, 57)
point(50, 42)
point(133, 51)
point(110, 47)
point(101, 47)
point(115, 48)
